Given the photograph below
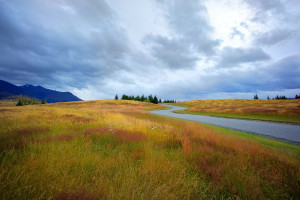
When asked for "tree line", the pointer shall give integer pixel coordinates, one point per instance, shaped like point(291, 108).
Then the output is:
point(144, 98)
point(277, 97)
point(23, 102)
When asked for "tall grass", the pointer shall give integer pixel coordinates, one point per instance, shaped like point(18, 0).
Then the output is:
point(116, 150)
point(271, 110)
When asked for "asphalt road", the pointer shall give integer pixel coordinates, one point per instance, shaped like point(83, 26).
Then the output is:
point(285, 132)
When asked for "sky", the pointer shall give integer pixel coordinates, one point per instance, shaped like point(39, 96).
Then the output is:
point(175, 49)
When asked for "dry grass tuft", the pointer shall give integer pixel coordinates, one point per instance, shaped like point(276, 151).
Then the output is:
point(50, 138)
point(79, 195)
point(68, 115)
point(31, 131)
point(98, 130)
point(127, 136)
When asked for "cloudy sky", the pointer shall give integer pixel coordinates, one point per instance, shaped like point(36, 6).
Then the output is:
point(176, 49)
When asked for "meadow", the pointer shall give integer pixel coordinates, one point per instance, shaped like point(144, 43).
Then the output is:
point(115, 149)
point(270, 110)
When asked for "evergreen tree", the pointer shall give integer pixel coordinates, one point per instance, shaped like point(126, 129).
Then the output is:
point(144, 98)
point(137, 98)
point(20, 103)
point(150, 98)
point(255, 96)
point(155, 100)
point(268, 97)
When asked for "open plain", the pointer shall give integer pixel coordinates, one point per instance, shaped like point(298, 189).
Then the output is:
point(117, 150)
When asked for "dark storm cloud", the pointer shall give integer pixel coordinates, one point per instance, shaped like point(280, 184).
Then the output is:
point(232, 57)
point(191, 35)
point(284, 73)
point(276, 76)
point(46, 40)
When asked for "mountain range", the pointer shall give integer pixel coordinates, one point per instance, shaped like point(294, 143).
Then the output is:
point(7, 89)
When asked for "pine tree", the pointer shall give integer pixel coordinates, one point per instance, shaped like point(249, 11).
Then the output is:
point(19, 103)
point(268, 97)
point(150, 98)
point(155, 100)
point(116, 97)
point(137, 98)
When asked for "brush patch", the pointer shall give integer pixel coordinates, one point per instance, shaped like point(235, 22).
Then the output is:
point(127, 136)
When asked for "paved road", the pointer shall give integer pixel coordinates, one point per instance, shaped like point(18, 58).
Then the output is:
point(284, 132)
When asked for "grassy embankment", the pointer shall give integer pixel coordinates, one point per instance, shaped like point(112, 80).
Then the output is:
point(267, 110)
point(116, 150)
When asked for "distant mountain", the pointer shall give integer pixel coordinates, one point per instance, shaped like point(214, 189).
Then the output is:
point(52, 96)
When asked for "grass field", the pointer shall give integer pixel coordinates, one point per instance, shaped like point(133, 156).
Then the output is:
point(269, 110)
point(117, 150)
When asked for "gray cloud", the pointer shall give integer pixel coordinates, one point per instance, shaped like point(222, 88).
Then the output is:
point(76, 39)
point(265, 9)
point(236, 33)
point(280, 75)
point(284, 73)
point(273, 37)
point(171, 53)
point(190, 21)
point(233, 57)
point(80, 46)
point(266, 4)
point(191, 35)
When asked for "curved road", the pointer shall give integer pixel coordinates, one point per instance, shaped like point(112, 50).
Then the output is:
point(285, 132)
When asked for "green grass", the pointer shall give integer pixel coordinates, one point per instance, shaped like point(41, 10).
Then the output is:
point(261, 117)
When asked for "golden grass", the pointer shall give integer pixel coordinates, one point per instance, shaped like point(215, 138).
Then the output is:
point(116, 150)
point(274, 110)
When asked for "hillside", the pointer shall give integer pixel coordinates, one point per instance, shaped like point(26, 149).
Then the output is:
point(7, 89)
point(271, 110)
